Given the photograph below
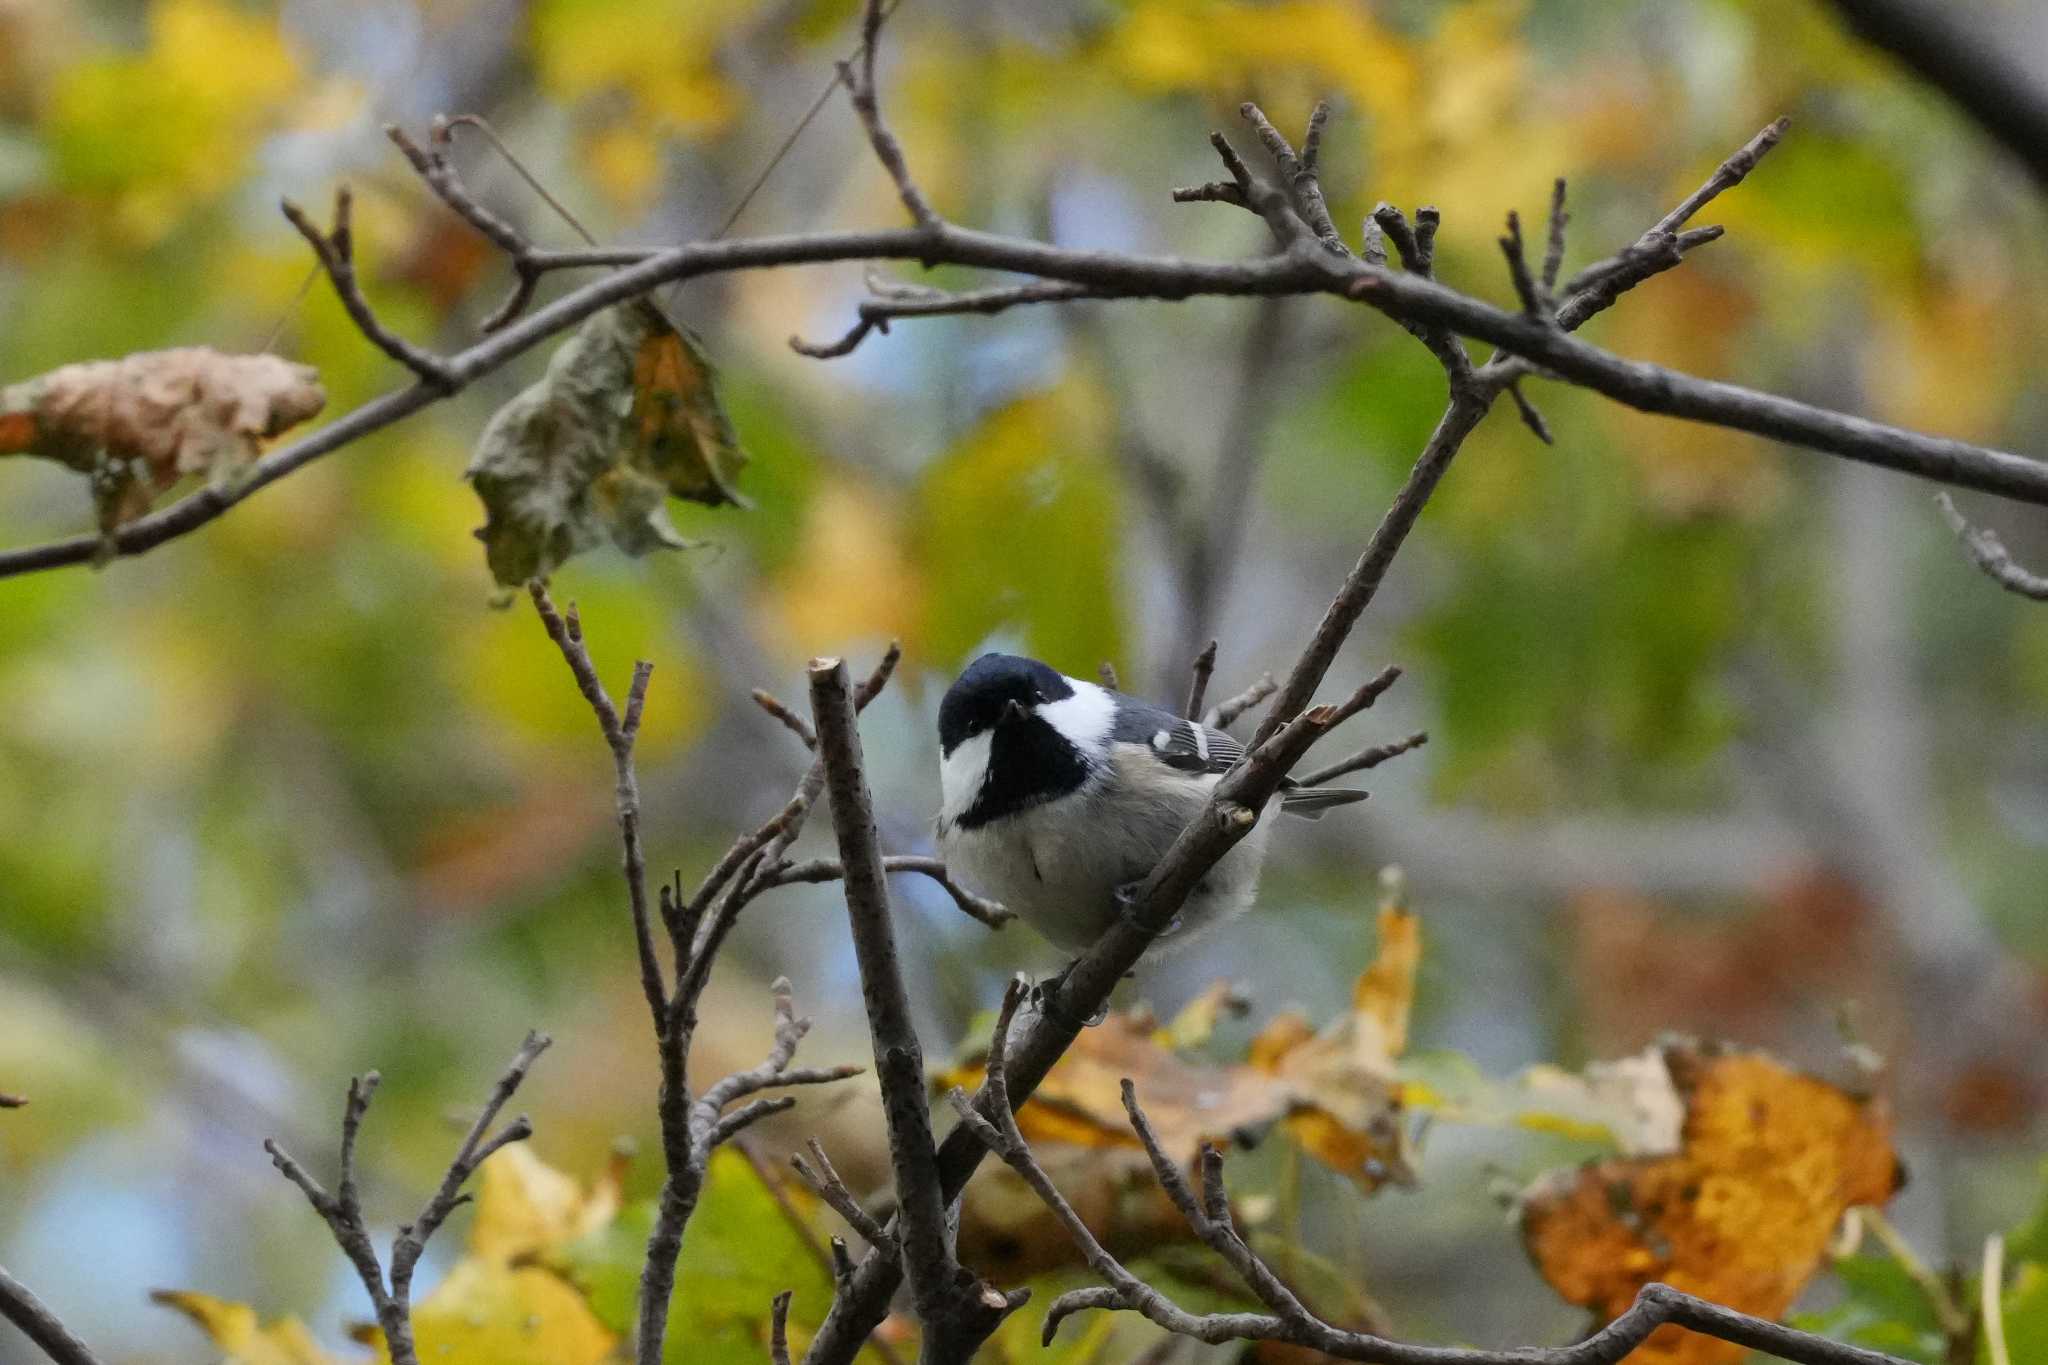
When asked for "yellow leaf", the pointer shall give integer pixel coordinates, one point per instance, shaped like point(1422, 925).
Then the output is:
point(1196, 1022)
point(525, 1207)
point(489, 1313)
point(241, 1337)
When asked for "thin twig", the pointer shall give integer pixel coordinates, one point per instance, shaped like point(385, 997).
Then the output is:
point(859, 78)
point(874, 315)
point(790, 720)
point(1292, 1322)
point(1198, 682)
point(1225, 713)
point(619, 736)
point(825, 1181)
point(1300, 171)
point(1531, 416)
point(1553, 251)
point(1535, 302)
point(1988, 553)
point(1363, 760)
point(335, 249)
point(980, 908)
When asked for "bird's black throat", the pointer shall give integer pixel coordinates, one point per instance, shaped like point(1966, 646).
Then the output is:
point(1029, 762)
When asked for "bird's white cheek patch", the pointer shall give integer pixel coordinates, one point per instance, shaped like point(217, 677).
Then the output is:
point(1084, 718)
point(961, 774)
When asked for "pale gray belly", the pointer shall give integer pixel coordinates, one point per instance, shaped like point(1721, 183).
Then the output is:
point(1058, 866)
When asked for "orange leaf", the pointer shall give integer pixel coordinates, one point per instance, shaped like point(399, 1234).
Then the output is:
point(1741, 1213)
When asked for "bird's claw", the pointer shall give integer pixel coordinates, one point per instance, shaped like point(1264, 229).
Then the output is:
point(1043, 993)
point(1127, 906)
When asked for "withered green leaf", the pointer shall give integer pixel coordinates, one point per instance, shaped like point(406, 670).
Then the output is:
point(626, 417)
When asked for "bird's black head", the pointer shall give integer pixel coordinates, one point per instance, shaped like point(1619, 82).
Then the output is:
point(986, 690)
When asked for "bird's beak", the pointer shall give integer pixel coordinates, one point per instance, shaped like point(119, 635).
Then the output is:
point(1014, 711)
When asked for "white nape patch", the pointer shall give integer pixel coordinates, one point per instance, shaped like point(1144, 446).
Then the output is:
point(1086, 718)
point(961, 775)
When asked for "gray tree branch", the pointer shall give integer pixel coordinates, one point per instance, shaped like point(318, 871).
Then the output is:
point(1302, 266)
point(391, 1291)
point(957, 1310)
point(693, 1126)
point(20, 1306)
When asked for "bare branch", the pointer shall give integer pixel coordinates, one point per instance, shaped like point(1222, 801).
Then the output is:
point(823, 1179)
point(1363, 582)
point(343, 1212)
point(859, 78)
point(1261, 198)
point(1225, 713)
point(20, 1306)
point(336, 250)
point(876, 314)
point(1417, 254)
point(439, 172)
point(1988, 553)
point(778, 1328)
point(958, 1310)
point(619, 735)
point(1553, 251)
point(1363, 760)
point(791, 721)
point(1535, 302)
point(1198, 685)
point(1300, 171)
point(1415, 299)
point(1531, 417)
point(980, 908)
point(1726, 176)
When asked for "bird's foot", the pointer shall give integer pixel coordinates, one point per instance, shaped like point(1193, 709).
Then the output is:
point(1127, 906)
point(1044, 994)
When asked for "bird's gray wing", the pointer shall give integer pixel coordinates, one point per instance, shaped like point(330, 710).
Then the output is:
point(1179, 743)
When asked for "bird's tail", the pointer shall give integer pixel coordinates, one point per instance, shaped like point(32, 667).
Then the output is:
point(1310, 802)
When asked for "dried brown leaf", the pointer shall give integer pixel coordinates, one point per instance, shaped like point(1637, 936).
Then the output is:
point(137, 425)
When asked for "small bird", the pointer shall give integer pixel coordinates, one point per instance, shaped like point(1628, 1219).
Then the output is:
point(1058, 797)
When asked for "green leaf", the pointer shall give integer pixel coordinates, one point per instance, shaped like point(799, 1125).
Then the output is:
point(1018, 527)
point(2029, 1241)
point(739, 1251)
point(2025, 1306)
point(626, 416)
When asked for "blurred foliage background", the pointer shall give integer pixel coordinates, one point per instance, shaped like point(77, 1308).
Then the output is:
point(1723, 738)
